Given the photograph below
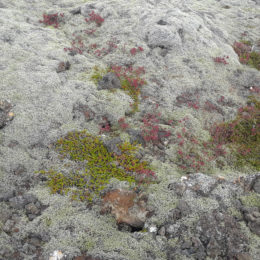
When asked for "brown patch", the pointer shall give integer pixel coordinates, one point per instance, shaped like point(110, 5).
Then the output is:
point(126, 206)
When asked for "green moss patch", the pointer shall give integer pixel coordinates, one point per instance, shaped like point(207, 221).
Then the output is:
point(100, 166)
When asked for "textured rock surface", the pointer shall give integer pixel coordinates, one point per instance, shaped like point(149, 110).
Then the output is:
point(46, 92)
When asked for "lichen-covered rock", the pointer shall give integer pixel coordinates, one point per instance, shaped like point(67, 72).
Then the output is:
point(109, 81)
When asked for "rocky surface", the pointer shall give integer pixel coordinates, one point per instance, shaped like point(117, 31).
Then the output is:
point(47, 90)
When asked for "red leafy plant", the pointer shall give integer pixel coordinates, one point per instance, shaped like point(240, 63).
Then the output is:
point(51, 19)
point(133, 51)
point(151, 131)
point(221, 59)
point(105, 126)
point(246, 55)
point(122, 124)
point(95, 18)
point(193, 154)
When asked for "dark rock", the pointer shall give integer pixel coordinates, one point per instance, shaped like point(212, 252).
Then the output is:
point(18, 202)
point(162, 231)
point(83, 109)
point(75, 11)
point(184, 208)
point(63, 66)
point(5, 196)
point(250, 182)
point(256, 186)
point(221, 236)
point(136, 136)
point(5, 114)
point(109, 81)
point(30, 198)
point(252, 217)
point(111, 145)
point(161, 22)
point(32, 209)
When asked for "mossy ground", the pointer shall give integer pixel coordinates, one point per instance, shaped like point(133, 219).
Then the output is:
point(100, 166)
point(243, 48)
point(251, 200)
point(242, 135)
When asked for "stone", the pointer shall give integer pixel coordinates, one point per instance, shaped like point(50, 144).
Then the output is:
point(63, 66)
point(5, 113)
point(109, 81)
point(18, 202)
point(112, 144)
point(127, 207)
point(32, 209)
point(256, 186)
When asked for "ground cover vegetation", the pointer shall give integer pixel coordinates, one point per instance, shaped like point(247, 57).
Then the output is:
point(100, 166)
point(239, 136)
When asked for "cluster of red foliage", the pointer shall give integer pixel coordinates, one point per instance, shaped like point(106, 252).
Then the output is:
point(50, 19)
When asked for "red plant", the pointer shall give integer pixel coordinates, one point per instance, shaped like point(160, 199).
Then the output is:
point(151, 131)
point(221, 59)
point(133, 51)
point(105, 127)
point(50, 19)
point(123, 125)
point(95, 18)
point(77, 46)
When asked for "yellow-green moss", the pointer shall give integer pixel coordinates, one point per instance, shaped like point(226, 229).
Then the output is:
point(101, 166)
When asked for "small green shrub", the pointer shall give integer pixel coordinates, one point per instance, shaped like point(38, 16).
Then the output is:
point(101, 166)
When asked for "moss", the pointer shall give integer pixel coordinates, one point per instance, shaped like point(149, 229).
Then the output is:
point(252, 200)
point(100, 166)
